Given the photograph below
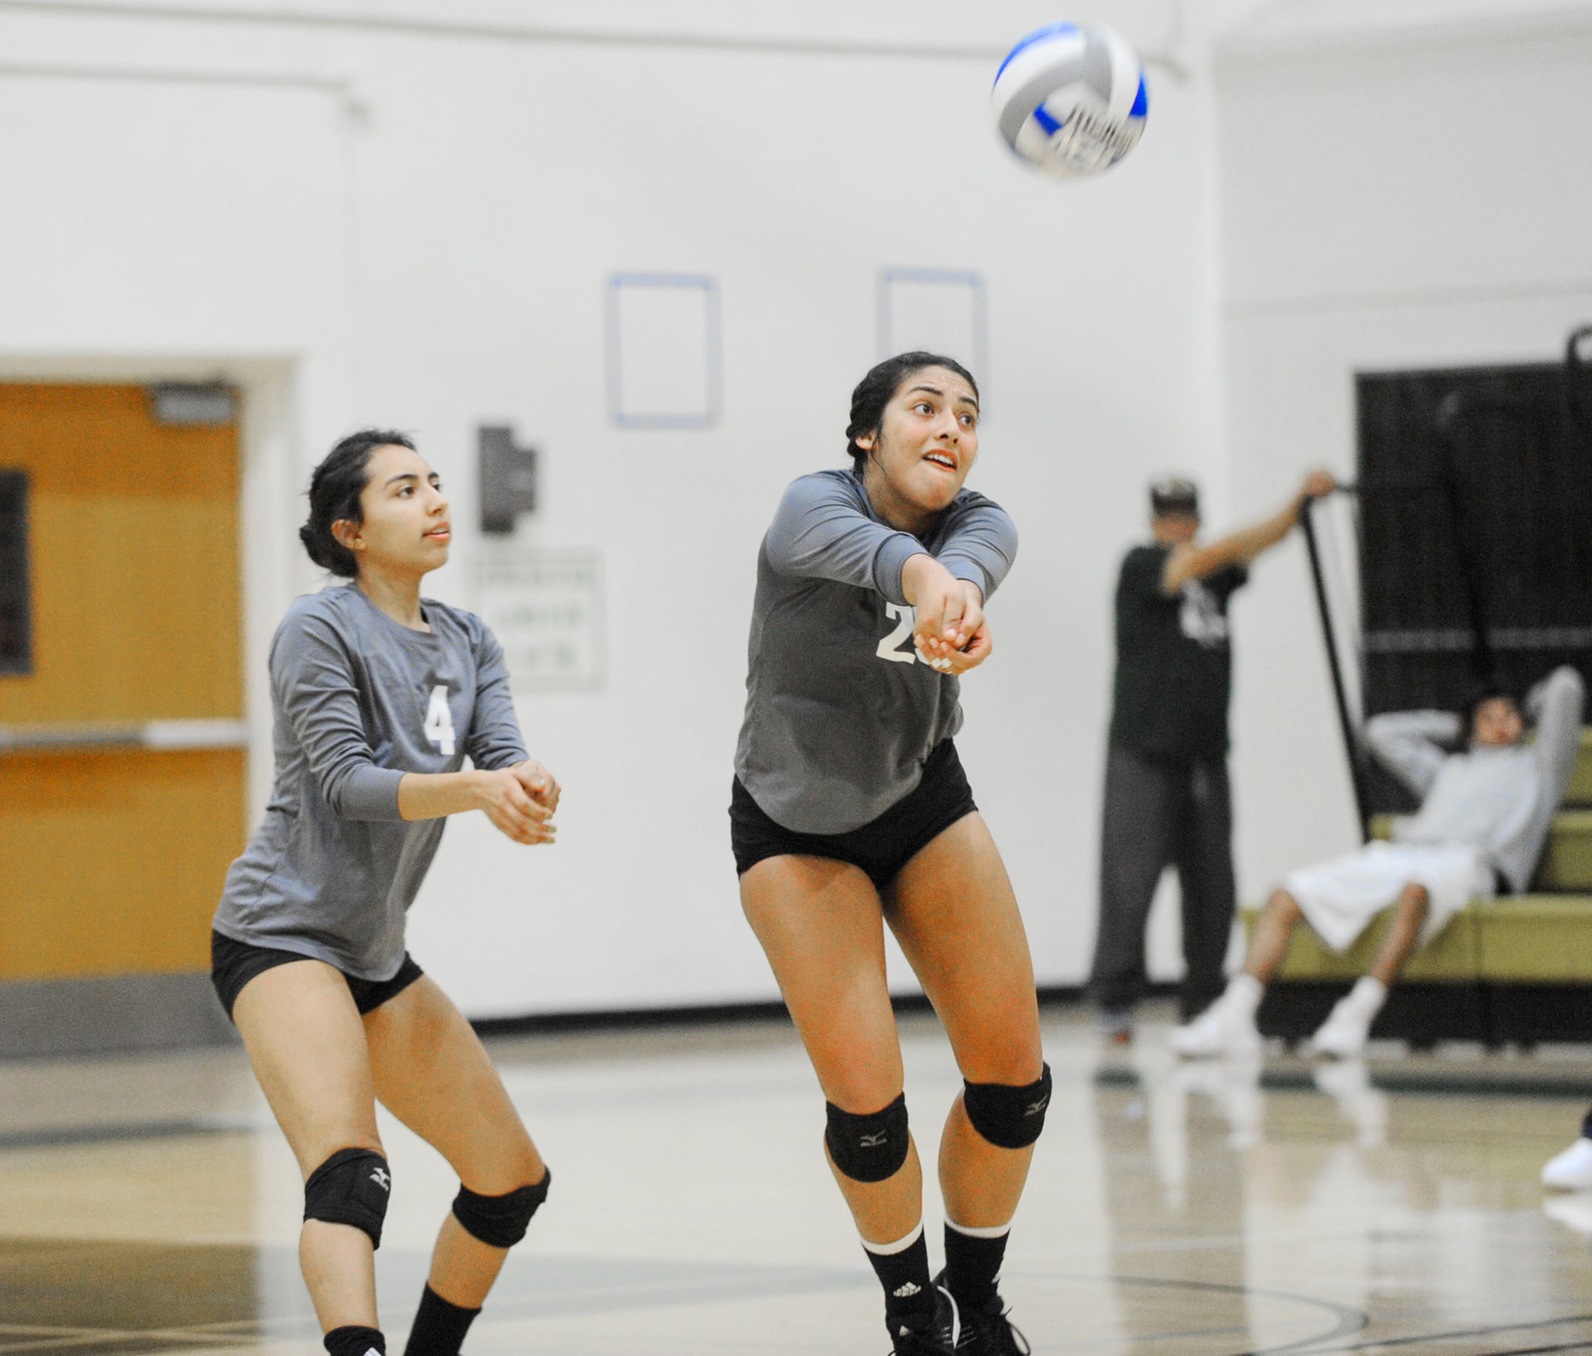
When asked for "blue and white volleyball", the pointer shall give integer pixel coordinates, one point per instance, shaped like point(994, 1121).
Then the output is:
point(1070, 100)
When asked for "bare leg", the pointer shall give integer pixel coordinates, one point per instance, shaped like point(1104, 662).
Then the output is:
point(304, 1038)
point(1272, 935)
point(1404, 936)
point(433, 1073)
point(954, 913)
point(820, 924)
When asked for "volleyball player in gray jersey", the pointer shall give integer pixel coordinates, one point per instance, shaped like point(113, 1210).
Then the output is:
point(378, 695)
point(850, 811)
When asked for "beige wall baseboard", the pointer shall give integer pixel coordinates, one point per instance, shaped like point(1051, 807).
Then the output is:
point(101, 1016)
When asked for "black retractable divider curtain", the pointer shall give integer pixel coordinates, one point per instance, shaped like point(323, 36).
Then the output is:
point(1474, 537)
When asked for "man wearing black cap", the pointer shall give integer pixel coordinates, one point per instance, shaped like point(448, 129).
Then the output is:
point(1167, 801)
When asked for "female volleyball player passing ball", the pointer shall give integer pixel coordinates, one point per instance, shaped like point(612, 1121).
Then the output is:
point(850, 811)
point(378, 697)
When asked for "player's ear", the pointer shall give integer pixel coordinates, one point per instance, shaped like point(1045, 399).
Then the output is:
point(866, 441)
point(347, 534)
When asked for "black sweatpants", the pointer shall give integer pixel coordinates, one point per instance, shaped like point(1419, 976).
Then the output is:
point(1160, 814)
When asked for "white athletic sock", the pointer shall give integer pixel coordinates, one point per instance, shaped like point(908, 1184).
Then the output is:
point(1366, 997)
point(996, 1231)
point(900, 1245)
point(1243, 994)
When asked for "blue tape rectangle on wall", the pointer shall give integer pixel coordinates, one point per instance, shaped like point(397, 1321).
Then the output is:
point(941, 310)
point(662, 335)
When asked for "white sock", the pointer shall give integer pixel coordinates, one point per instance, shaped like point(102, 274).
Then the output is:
point(1366, 997)
point(995, 1231)
point(1243, 995)
point(900, 1245)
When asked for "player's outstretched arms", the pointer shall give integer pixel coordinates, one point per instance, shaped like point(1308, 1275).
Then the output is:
point(949, 610)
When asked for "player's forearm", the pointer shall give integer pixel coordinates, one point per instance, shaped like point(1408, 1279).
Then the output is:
point(980, 545)
point(431, 795)
point(919, 574)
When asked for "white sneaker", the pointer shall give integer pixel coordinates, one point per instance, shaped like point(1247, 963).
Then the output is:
point(1345, 1032)
point(1217, 1031)
point(1571, 1170)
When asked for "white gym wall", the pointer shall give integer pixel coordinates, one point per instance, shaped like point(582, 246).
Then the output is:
point(410, 214)
point(1400, 189)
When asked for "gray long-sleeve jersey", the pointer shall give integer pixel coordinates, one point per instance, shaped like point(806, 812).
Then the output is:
point(1500, 800)
point(840, 712)
point(359, 700)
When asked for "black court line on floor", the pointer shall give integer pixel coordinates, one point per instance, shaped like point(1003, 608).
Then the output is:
point(1573, 1085)
point(116, 1132)
point(1347, 1319)
point(98, 1298)
point(103, 1298)
point(1504, 1081)
point(138, 1299)
point(1409, 1340)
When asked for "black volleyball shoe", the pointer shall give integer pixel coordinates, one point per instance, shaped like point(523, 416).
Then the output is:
point(941, 1337)
point(987, 1331)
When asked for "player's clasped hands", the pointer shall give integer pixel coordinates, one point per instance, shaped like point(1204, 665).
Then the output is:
point(520, 801)
point(950, 632)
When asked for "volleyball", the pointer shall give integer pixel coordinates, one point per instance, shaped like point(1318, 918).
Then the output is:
point(1069, 99)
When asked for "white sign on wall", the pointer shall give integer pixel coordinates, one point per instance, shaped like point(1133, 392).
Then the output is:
point(546, 611)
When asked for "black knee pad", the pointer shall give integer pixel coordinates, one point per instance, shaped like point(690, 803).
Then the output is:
point(350, 1187)
point(500, 1221)
point(1008, 1117)
point(868, 1148)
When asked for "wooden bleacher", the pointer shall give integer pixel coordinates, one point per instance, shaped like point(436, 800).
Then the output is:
point(1518, 969)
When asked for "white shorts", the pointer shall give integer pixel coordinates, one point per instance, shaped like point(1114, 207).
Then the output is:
point(1340, 897)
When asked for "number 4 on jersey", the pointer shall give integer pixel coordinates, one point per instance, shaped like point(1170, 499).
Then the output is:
point(438, 726)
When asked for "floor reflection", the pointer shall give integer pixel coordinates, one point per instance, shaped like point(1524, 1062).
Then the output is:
point(1400, 1191)
point(1205, 1209)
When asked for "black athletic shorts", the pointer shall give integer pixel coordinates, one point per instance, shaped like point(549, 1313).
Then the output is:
point(881, 847)
point(233, 964)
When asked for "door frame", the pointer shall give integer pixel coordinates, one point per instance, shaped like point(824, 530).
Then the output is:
point(83, 1016)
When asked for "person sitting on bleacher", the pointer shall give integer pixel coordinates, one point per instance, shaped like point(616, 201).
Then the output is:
point(1483, 819)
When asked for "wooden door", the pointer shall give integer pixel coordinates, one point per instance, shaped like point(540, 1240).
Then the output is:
point(122, 793)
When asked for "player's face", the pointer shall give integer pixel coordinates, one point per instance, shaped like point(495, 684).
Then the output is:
point(406, 525)
point(1497, 723)
point(924, 447)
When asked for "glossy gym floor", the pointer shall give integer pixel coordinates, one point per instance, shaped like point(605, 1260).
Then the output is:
point(149, 1205)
